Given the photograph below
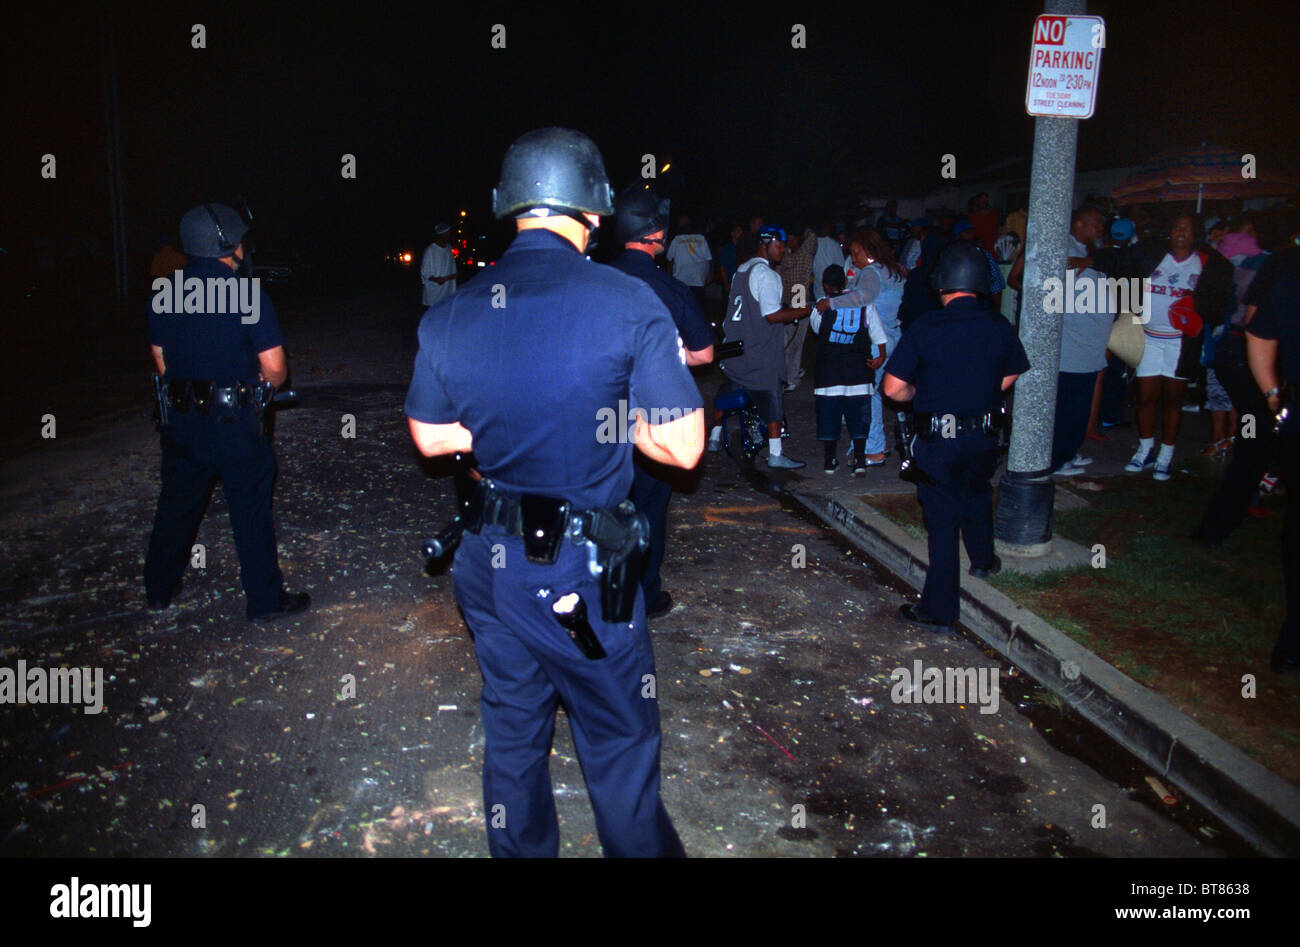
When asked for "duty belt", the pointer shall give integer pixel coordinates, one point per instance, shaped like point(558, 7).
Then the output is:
point(930, 426)
point(200, 396)
point(615, 539)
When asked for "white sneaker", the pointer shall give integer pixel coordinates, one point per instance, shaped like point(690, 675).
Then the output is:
point(781, 461)
point(1139, 463)
point(1080, 461)
point(1162, 471)
point(1068, 470)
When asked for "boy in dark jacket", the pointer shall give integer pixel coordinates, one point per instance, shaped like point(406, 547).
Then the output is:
point(845, 372)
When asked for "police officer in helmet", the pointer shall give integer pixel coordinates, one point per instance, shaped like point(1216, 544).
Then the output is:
point(216, 374)
point(955, 363)
point(641, 223)
point(524, 369)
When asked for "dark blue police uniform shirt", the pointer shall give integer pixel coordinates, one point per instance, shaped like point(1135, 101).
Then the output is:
point(957, 357)
point(691, 324)
point(1278, 318)
point(217, 347)
point(537, 378)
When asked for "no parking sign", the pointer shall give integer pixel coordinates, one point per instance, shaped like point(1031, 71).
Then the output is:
point(1064, 63)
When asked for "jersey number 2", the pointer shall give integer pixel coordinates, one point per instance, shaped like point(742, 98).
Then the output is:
point(738, 301)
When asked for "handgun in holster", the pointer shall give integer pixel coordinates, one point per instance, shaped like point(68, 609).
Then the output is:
point(616, 543)
point(469, 506)
point(905, 440)
point(265, 398)
point(160, 402)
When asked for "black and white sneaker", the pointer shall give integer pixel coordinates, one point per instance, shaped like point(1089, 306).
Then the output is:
point(1141, 463)
point(832, 465)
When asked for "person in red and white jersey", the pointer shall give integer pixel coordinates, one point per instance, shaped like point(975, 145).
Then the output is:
point(1188, 287)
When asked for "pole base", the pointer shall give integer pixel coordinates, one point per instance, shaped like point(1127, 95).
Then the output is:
point(1023, 524)
point(1017, 551)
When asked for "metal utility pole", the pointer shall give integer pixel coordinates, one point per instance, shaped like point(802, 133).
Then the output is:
point(1024, 515)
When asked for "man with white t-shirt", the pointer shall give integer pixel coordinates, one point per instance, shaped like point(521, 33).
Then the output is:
point(829, 253)
point(689, 257)
point(438, 267)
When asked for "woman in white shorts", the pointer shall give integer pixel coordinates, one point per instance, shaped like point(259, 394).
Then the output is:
point(1176, 276)
point(1159, 384)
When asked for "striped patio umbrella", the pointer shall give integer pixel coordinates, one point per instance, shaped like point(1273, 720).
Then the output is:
point(1207, 172)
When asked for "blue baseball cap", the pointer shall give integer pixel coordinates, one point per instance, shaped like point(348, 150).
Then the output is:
point(770, 233)
point(961, 225)
point(1121, 228)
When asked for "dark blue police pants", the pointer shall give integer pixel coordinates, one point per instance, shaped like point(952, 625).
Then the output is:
point(529, 662)
point(1073, 406)
point(651, 496)
point(198, 450)
point(959, 501)
point(1250, 455)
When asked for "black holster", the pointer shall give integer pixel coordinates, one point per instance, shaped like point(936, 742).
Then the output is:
point(616, 543)
point(160, 401)
point(905, 441)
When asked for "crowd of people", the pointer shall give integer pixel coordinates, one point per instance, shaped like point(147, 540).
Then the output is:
point(887, 260)
point(1189, 324)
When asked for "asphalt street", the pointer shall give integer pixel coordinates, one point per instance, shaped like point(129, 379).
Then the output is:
point(354, 729)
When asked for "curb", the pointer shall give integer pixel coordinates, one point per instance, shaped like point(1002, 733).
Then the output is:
point(1256, 803)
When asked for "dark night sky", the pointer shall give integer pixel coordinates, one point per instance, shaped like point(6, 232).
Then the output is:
point(427, 106)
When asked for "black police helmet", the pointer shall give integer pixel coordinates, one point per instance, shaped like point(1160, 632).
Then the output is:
point(639, 213)
point(961, 266)
point(553, 167)
point(211, 230)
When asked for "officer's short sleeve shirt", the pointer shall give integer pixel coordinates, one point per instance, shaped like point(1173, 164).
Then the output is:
point(957, 357)
point(1276, 268)
point(200, 342)
point(1278, 319)
point(686, 314)
point(545, 360)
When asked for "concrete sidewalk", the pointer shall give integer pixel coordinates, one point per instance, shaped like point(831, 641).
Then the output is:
point(1255, 802)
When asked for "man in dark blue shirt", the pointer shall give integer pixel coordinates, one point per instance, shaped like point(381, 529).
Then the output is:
point(640, 223)
point(954, 363)
point(215, 339)
point(539, 370)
